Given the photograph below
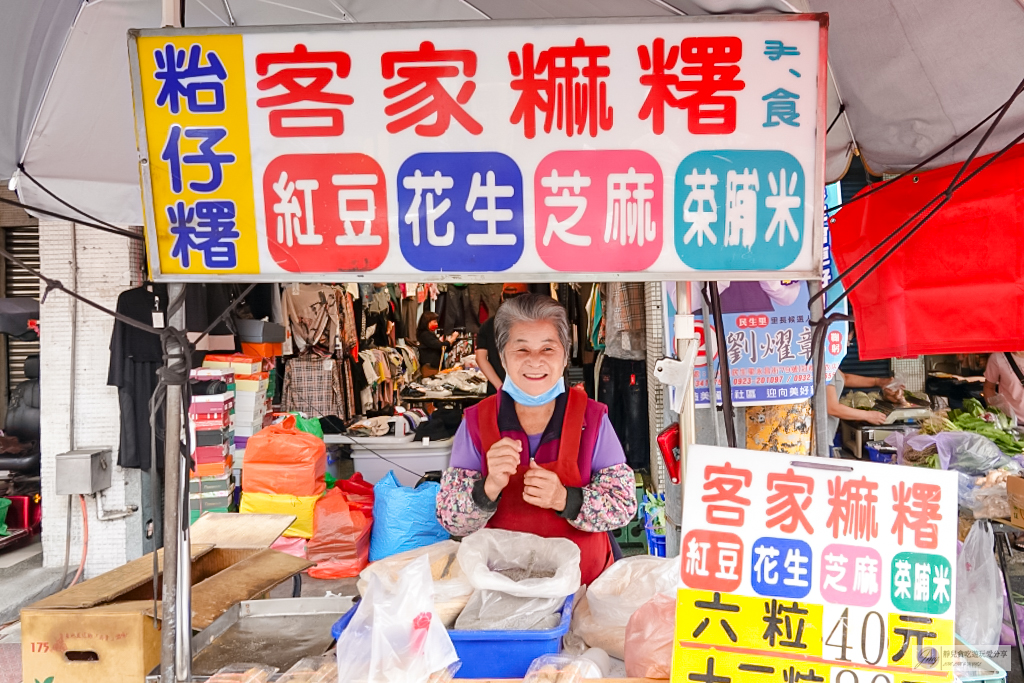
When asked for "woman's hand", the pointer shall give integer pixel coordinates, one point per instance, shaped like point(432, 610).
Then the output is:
point(873, 417)
point(502, 463)
point(542, 488)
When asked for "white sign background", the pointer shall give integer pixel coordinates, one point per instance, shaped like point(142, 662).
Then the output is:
point(494, 101)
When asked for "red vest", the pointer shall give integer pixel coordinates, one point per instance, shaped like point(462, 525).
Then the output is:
point(514, 513)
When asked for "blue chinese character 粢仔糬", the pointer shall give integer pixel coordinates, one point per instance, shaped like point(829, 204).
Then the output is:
point(205, 156)
point(183, 75)
point(780, 108)
point(207, 227)
point(460, 210)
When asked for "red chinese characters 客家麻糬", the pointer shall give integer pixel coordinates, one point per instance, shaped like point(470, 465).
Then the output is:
point(303, 76)
point(714, 61)
point(566, 84)
point(420, 95)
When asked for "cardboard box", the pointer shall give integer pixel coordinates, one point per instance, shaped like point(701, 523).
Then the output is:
point(1015, 494)
point(240, 364)
point(103, 630)
point(263, 350)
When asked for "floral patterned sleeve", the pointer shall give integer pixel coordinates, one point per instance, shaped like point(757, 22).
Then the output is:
point(609, 501)
point(462, 506)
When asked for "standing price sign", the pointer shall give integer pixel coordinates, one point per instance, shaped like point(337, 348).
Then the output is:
point(799, 569)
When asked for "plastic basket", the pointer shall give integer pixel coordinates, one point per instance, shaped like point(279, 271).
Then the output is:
point(495, 654)
point(655, 542)
point(507, 654)
point(879, 451)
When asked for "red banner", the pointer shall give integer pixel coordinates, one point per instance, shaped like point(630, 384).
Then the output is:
point(957, 285)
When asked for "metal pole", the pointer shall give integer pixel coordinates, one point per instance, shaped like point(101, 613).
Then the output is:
point(176, 630)
point(709, 358)
point(819, 403)
point(684, 336)
point(723, 365)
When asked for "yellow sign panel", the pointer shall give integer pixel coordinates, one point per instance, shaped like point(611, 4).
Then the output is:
point(197, 134)
point(766, 624)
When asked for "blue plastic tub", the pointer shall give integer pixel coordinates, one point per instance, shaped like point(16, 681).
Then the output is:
point(655, 542)
point(879, 451)
point(507, 654)
point(496, 654)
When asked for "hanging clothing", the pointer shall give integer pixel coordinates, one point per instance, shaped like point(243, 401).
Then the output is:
point(312, 314)
point(135, 357)
point(313, 385)
point(622, 386)
point(626, 322)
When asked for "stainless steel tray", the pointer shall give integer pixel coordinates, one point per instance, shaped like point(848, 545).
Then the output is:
point(276, 632)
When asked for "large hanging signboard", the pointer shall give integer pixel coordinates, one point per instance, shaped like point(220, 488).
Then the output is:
point(799, 569)
point(627, 149)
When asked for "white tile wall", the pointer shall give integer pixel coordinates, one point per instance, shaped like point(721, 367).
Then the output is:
point(104, 267)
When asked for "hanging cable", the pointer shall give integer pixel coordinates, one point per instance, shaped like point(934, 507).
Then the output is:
point(46, 212)
point(723, 364)
point(957, 140)
point(944, 197)
point(24, 172)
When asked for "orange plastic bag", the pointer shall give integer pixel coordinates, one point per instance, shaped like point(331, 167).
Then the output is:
point(649, 638)
point(341, 535)
point(283, 460)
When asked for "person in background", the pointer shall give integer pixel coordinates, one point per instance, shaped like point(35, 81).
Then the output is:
point(431, 345)
point(487, 356)
point(538, 458)
point(837, 411)
point(1004, 376)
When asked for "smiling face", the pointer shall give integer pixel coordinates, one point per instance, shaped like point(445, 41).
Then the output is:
point(534, 357)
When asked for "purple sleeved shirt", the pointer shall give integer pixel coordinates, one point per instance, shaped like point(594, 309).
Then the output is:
point(607, 449)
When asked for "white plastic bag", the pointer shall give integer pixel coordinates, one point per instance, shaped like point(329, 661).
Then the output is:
point(451, 589)
point(979, 605)
point(521, 565)
point(628, 584)
point(395, 636)
point(497, 611)
point(619, 592)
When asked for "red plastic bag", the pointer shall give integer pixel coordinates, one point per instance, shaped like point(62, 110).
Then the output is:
point(341, 535)
point(649, 638)
point(281, 459)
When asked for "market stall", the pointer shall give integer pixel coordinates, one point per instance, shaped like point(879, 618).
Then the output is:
point(469, 189)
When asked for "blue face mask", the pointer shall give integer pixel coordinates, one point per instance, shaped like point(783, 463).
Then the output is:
point(523, 398)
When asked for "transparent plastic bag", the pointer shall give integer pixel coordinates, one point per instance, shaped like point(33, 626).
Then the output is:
point(979, 607)
point(451, 588)
point(990, 502)
point(521, 565)
point(395, 636)
point(969, 453)
point(497, 611)
point(621, 590)
point(649, 638)
point(561, 669)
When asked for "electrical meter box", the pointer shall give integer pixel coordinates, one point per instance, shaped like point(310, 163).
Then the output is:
point(83, 471)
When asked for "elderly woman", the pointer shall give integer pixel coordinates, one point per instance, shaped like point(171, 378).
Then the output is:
point(535, 457)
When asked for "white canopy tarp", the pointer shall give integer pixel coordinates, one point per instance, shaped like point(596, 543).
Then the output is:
point(913, 74)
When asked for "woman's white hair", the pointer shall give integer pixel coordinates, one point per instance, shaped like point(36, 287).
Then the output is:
point(530, 308)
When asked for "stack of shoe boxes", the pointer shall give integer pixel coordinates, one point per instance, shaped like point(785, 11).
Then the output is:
point(211, 486)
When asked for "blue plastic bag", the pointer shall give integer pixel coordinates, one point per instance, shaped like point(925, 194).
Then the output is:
point(404, 518)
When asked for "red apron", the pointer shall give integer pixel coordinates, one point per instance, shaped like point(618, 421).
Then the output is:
point(515, 514)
